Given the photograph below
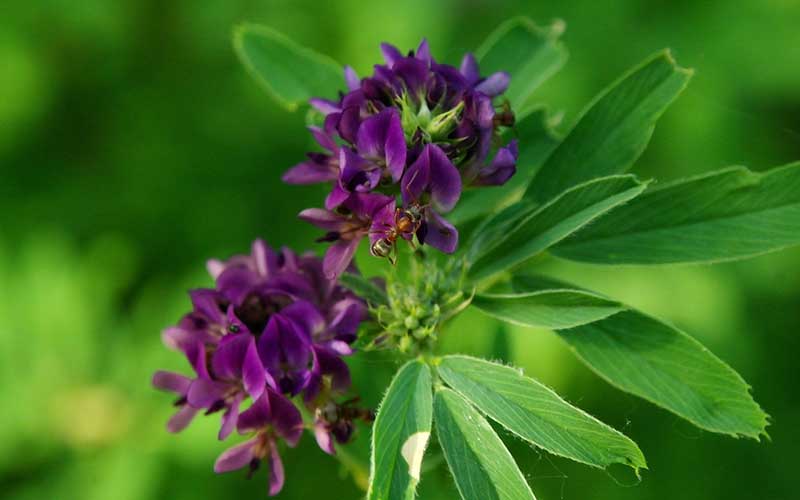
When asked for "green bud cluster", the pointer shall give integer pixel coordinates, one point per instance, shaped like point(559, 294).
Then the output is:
point(434, 125)
point(418, 307)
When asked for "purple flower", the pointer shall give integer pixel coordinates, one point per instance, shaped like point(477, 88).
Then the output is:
point(271, 416)
point(415, 128)
point(273, 326)
point(348, 227)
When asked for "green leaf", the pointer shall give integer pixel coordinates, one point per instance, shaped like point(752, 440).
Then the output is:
point(537, 414)
point(544, 226)
point(290, 73)
point(614, 130)
point(536, 141)
point(660, 363)
point(400, 434)
point(482, 467)
point(725, 215)
point(528, 53)
point(553, 308)
point(364, 288)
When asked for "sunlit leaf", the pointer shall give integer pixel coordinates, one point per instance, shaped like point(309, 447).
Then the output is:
point(482, 467)
point(400, 434)
point(660, 363)
point(290, 73)
point(725, 215)
point(615, 128)
point(555, 308)
point(530, 54)
point(542, 227)
point(537, 414)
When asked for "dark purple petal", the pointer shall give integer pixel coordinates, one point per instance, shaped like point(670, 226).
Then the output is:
point(381, 137)
point(337, 196)
point(286, 418)
point(349, 121)
point(236, 457)
point(501, 169)
point(347, 316)
point(469, 69)
point(495, 84)
point(433, 172)
point(172, 382)
point(445, 180)
point(276, 475)
point(258, 416)
point(181, 419)
point(423, 52)
point(305, 315)
point(206, 302)
point(440, 233)
point(338, 257)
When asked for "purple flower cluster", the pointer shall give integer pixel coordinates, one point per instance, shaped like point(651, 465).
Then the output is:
point(274, 327)
point(415, 128)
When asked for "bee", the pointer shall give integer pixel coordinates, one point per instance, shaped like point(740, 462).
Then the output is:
point(504, 117)
point(406, 223)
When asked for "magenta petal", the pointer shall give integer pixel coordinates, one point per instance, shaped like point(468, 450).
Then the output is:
point(236, 457)
point(286, 418)
point(172, 382)
point(347, 317)
point(181, 419)
point(276, 475)
point(337, 196)
point(338, 257)
point(440, 233)
point(495, 84)
point(257, 416)
point(253, 374)
point(204, 392)
point(229, 418)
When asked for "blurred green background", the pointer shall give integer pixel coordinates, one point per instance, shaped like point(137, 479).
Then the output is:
point(133, 146)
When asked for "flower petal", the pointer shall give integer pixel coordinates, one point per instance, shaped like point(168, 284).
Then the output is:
point(276, 475)
point(309, 172)
point(338, 257)
point(440, 233)
point(172, 382)
point(229, 418)
point(204, 392)
point(286, 418)
point(390, 54)
point(181, 419)
point(259, 415)
point(236, 457)
point(495, 84)
point(469, 69)
point(351, 78)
